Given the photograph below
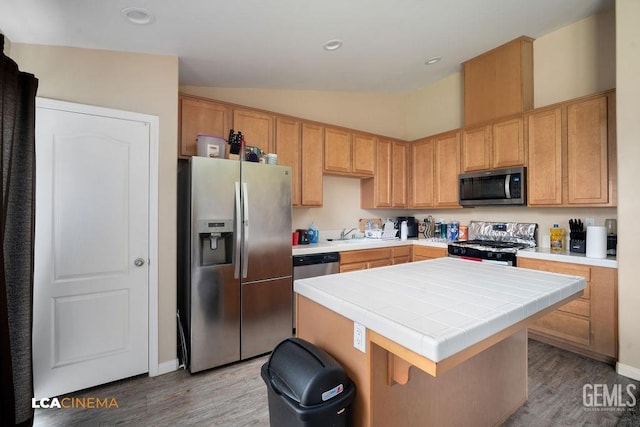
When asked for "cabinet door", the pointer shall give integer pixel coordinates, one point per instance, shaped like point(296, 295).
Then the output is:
point(587, 161)
point(422, 174)
point(421, 253)
point(337, 150)
point(379, 263)
point(476, 149)
point(364, 154)
point(399, 174)
point(356, 266)
point(384, 174)
point(288, 151)
point(508, 144)
point(201, 116)
point(447, 168)
point(257, 128)
point(544, 174)
point(311, 167)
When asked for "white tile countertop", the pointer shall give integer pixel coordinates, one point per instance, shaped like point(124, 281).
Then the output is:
point(439, 307)
point(359, 244)
point(566, 256)
point(536, 253)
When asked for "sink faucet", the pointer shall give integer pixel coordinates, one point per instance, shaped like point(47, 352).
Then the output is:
point(344, 235)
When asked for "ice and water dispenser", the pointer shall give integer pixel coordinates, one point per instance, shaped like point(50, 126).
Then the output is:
point(216, 241)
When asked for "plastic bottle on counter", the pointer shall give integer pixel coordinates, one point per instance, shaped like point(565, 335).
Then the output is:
point(556, 238)
point(404, 230)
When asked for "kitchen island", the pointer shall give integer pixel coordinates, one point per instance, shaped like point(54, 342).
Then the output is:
point(445, 340)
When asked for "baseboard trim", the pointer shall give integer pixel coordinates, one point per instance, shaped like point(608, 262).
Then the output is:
point(628, 371)
point(166, 367)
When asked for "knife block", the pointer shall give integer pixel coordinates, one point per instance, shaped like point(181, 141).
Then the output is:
point(578, 246)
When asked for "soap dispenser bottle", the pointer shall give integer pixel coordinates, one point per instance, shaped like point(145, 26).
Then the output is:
point(556, 237)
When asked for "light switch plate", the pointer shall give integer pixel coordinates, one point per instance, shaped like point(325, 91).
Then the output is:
point(589, 222)
point(360, 337)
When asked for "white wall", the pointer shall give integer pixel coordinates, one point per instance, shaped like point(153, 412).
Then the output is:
point(575, 60)
point(134, 82)
point(628, 93)
point(383, 114)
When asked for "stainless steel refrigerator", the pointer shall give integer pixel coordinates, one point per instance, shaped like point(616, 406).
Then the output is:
point(235, 270)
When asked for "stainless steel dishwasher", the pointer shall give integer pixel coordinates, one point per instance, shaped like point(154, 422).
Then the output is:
point(306, 266)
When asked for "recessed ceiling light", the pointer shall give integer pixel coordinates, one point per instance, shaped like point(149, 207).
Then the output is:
point(333, 45)
point(138, 15)
point(432, 60)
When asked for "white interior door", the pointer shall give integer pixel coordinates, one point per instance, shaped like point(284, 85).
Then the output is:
point(91, 250)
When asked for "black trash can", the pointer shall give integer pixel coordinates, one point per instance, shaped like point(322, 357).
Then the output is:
point(306, 387)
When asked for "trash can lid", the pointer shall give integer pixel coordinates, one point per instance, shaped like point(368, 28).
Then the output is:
point(305, 373)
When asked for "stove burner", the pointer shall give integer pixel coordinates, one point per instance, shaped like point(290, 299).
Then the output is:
point(496, 242)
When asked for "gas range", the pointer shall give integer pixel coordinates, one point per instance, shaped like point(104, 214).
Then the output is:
point(496, 242)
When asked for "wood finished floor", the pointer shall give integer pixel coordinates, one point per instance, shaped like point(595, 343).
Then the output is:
point(235, 395)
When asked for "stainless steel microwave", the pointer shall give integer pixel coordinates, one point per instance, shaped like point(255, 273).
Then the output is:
point(494, 187)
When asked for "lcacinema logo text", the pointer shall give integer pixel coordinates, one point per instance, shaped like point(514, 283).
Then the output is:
point(75, 402)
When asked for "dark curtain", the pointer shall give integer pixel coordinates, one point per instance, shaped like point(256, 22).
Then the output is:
point(17, 159)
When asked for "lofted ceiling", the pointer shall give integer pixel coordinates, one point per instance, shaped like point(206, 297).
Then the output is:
point(278, 44)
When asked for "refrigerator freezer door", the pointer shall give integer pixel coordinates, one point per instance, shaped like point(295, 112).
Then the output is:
point(267, 195)
point(266, 315)
point(214, 326)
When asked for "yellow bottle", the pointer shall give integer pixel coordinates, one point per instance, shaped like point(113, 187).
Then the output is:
point(556, 238)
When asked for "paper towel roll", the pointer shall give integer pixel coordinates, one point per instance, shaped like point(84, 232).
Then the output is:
point(596, 242)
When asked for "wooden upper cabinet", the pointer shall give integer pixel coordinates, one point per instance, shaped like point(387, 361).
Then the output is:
point(476, 148)
point(257, 128)
point(422, 174)
point(399, 174)
point(499, 83)
point(200, 116)
point(312, 164)
point(447, 168)
point(349, 153)
point(587, 152)
point(376, 192)
point(337, 150)
point(544, 174)
point(572, 153)
point(388, 188)
point(288, 149)
point(508, 144)
point(364, 154)
point(496, 145)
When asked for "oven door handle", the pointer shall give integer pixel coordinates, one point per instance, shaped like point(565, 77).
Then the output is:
point(507, 189)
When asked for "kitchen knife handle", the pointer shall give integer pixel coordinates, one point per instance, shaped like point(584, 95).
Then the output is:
point(245, 241)
point(238, 231)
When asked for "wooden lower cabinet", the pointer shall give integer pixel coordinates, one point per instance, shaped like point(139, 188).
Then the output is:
point(421, 253)
point(371, 258)
point(587, 325)
point(401, 254)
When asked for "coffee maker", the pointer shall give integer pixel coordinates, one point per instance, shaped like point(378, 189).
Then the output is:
point(612, 235)
point(412, 226)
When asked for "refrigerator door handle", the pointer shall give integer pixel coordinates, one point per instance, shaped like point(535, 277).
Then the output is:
point(238, 231)
point(245, 241)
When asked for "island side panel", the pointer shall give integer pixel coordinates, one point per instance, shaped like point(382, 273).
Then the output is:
point(482, 391)
point(334, 333)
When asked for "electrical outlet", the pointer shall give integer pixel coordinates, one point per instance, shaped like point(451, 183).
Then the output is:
point(589, 222)
point(360, 337)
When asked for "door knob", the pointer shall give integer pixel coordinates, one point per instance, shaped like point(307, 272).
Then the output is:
point(139, 262)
